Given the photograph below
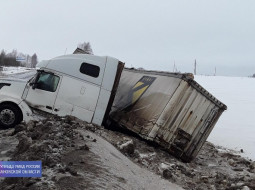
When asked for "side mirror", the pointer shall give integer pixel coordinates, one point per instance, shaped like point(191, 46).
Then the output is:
point(33, 84)
point(34, 80)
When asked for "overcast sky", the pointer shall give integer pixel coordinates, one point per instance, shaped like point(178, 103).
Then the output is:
point(146, 33)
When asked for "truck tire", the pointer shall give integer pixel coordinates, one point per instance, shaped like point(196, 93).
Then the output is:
point(10, 116)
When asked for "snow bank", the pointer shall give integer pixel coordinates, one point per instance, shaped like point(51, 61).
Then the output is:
point(73, 157)
point(14, 70)
point(236, 127)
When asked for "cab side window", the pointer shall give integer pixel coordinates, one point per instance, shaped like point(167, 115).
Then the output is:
point(47, 82)
point(90, 70)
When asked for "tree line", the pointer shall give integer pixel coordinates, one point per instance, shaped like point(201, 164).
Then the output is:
point(16, 59)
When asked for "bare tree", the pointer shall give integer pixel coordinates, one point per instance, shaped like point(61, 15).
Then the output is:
point(86, 47)
point(16, 58)
point(2, 56)
point(28, 60)
point(34, 60)
point(13, 54)
point(10, 59)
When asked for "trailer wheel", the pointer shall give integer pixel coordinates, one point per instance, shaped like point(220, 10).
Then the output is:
point(10, 116)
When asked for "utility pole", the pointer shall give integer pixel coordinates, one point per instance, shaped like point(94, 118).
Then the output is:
point(215, 71)
point(175, 70)
point(195, 67)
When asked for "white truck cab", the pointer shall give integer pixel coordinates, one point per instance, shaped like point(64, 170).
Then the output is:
point(80, 85)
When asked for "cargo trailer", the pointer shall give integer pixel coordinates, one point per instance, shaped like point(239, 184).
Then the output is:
point(171, 109)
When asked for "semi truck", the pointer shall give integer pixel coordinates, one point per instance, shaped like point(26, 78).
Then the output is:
point(79, 85)
point(171, 109)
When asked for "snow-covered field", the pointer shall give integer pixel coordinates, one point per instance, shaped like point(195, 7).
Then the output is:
point(17, 72)
point(14, 70)
point(236, 127)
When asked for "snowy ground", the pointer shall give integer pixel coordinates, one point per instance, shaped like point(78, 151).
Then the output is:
point(17, 72)
point(14, 70)
point(73, 157)
point(77, 155)
point(236, 127)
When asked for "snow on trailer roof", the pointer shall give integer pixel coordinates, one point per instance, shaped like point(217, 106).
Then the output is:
point(189, 78)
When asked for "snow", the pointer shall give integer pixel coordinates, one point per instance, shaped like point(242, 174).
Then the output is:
point(17, 72)
point(236, 127)
point(134, 176)
point(14, 70)
point(126, 144)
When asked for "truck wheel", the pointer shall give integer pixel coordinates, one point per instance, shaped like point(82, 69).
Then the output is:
point(9, 116)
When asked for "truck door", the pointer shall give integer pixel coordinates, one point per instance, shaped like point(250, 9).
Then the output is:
point(43, 91)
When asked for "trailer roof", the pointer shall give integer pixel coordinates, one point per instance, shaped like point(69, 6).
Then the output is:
point(189, 78)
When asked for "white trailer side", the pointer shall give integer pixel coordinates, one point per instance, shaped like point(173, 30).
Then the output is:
point(168, 108)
